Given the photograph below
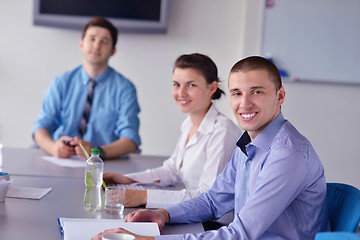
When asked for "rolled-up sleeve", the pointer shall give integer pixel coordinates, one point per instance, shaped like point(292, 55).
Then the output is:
point(127, 124)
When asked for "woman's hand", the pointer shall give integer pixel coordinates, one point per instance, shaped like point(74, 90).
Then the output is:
point(135, 198)
point(114, 178)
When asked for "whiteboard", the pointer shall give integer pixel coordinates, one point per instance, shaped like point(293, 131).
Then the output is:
point(314, 40)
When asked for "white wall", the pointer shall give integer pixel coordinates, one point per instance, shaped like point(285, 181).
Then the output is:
point(31, 56)
point(327, 114)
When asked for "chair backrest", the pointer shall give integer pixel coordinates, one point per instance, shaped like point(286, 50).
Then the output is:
point(337, 236)
point(343, 206)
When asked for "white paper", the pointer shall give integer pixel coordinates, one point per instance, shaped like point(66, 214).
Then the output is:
point(86, 228)
point(27, 192)
point(72, 162)
point(140, 186)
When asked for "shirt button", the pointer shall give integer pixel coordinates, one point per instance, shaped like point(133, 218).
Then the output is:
point(249, 162)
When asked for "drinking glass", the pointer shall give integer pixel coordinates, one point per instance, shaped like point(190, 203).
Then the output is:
point(114, 200)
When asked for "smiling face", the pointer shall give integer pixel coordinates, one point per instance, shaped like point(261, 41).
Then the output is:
point(254, 100)
point(97, 46)
point(191, 91)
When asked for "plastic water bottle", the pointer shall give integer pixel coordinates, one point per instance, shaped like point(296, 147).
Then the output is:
point(93, 180)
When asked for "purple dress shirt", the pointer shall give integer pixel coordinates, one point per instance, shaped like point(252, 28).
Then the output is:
point(275, 185)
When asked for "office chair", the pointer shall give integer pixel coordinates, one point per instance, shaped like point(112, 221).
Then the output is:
point(344, 212)
point(337, 236)
point(343, 206)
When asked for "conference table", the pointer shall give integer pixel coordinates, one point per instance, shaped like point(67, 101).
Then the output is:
point(38, 219)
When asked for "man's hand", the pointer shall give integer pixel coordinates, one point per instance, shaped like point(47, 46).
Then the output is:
point(160, 216)
point(61, 150)
point(121, 230)
point(78, 149)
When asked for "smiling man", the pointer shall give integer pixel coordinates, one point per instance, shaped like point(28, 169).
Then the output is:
point(91, 104)
point(256, 97)
point(274, 182)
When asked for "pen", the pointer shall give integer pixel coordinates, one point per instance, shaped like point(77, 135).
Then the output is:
point(68, 144)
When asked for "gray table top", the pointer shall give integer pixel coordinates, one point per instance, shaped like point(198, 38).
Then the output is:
point(28, 162)
point(38, 219)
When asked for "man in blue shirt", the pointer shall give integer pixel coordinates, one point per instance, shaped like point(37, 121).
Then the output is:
point(113, 123)
point(274, 182)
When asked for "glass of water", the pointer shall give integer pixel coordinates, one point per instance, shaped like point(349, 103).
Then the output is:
point(114, 200)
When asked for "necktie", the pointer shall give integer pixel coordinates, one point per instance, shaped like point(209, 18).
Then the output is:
point(85, 117)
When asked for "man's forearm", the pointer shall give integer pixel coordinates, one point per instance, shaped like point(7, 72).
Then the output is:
point(44, 140)
point(119, 148)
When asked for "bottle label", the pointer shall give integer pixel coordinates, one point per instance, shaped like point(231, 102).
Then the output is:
point(89, 181)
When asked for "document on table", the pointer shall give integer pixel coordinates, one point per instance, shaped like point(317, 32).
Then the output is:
point(86, 228)
point(140, 186)
point(27, 192)
point(72, 162)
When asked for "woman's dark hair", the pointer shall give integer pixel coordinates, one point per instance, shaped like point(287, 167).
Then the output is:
point(204, 65)
point(104, 23)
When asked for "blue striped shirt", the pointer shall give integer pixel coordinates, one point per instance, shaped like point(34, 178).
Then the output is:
point(276, 187)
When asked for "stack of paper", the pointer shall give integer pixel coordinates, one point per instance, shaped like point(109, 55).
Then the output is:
point(27, 192)
point(86, 228)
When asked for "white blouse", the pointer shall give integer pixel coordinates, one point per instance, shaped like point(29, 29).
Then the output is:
point(195, 163)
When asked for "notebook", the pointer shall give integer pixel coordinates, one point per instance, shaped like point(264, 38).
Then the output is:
point(86, 228)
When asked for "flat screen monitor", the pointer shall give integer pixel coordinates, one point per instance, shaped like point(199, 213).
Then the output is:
point(132, 16)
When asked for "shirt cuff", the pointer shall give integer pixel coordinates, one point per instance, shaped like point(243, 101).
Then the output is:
point(175, 212)
point(172, 237)
point(157, 199)
point(141, 177)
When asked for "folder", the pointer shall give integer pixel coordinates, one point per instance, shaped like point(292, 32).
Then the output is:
point(86, 228)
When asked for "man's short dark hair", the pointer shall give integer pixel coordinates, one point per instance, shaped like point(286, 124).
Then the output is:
point(259, 63)
point(104, 23)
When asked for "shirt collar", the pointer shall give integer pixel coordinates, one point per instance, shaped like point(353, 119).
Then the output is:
point(265, 137)
point(243, 141)
point(207, 124)
point(102, 77)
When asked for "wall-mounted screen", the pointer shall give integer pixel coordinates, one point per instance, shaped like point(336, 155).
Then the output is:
point(134, 16)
